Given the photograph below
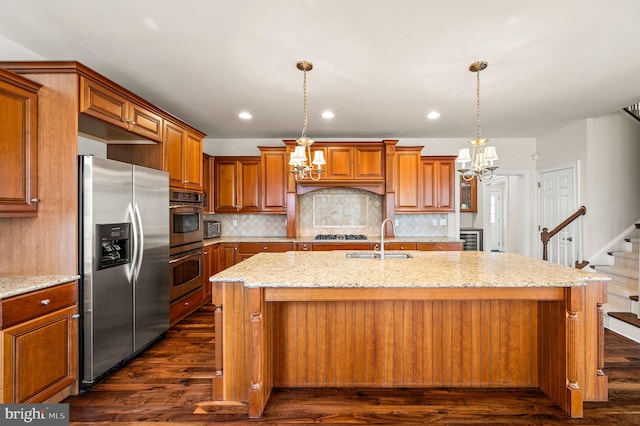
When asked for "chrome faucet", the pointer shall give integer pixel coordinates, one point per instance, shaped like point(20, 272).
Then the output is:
point(384, 222)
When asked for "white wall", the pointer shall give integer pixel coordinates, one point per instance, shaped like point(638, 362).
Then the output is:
point(607, 149)
point(613, 182)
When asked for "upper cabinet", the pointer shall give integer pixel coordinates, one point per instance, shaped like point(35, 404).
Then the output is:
point(438, 184)
point(274, 179)
point(106, 104)
point(237, 184)
point(468, 196)
point(182, 157)
point(407, 179)
point(207, 182)
point(423, 184)
point(355, 164)
point(18, 145)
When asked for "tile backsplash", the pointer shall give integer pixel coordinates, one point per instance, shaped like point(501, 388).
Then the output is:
point(333, 211)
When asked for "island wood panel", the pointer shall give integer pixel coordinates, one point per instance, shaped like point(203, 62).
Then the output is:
point(242, 316)
point(535, 341)
point(406, 343)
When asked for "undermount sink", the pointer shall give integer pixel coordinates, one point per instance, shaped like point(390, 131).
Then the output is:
point(376, 255)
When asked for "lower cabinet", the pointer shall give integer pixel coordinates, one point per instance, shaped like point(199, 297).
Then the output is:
point(182, 308)
point(40, 345)
point(440, 246)
point(246, 250)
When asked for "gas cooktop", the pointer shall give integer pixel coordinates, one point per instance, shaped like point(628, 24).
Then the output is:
point(341, 237)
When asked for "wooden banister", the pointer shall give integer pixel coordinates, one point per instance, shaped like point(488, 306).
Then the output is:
point(545, 235)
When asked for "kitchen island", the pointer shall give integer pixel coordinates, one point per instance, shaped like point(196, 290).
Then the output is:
point(436, 319)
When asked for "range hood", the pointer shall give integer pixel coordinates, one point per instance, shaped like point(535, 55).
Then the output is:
point(374, 186)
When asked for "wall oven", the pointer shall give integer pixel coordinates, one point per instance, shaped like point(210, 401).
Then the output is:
point(186, 214)
point(186, 234)
point(185, 270)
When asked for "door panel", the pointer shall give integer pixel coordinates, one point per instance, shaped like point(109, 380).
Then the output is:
point(557, 202)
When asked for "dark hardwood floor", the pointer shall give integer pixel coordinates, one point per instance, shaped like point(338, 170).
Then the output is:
point(171, 383)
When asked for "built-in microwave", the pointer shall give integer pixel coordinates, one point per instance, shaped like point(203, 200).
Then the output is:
point(186, 217)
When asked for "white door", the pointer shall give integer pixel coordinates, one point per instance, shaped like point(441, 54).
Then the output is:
point(497, 235)
point(557, 201)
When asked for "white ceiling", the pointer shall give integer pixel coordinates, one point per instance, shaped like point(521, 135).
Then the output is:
point(379, 65)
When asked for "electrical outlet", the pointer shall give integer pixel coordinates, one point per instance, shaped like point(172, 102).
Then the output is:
point(443, 222)
point(396, 222)
point(234, 222)
point(435, 222)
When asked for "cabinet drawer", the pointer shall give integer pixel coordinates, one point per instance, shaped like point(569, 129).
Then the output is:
point(440, 246)
point(340, 246)
point(253, 248)
point(183, 307)
point(103, 103)
point(27, 306)
point(397, 246)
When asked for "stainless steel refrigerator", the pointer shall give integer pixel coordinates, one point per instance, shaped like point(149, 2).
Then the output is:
point(124, 262)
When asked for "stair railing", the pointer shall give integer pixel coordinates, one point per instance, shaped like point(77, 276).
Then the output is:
point(546, 235)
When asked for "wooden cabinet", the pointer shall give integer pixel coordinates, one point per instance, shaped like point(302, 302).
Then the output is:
point(440, 246)
point(228, 255)
point(303, 247)
point(182, 308)
point(237, 184)
point(210, 267)
point(423, 184)
point(407, 179)
point(106, 104)
point(40, 345)
point(437, 184)
point(339, 163)
point(182, 157)
point(468, 196)
point(340, 246)
point(393, 245)
point(274, 180)
point(207, 183)
point(246, 250)
point(361, 162)
point(18, 145)
point(354, 164)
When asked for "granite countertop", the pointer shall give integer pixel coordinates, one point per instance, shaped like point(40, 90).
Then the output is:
point(13, 285)
point(211, 241)
point(453, 269)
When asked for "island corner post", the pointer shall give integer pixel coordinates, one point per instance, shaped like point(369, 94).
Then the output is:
point(550, 338)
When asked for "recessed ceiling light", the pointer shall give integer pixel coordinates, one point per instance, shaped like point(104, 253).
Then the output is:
point(328, 115)
point(245, 115)
point(433, 115)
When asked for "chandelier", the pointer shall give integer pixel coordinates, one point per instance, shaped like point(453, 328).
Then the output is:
point(481, 162)
point(300, 159)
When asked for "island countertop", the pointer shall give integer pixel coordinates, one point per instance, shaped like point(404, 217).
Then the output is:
point(460, 269)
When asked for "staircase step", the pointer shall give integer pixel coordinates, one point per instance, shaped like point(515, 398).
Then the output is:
point(630, 273)
point(624, 259)
point(627, 317)
point(618, 297)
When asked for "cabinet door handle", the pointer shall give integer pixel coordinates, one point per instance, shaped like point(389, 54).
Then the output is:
point(45, 302)
point(35, 200)
point(266, 248)
point(75, 316)
point(131, 122)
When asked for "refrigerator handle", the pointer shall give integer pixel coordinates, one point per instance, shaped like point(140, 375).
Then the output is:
point(140, 242)
point(134, 240)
